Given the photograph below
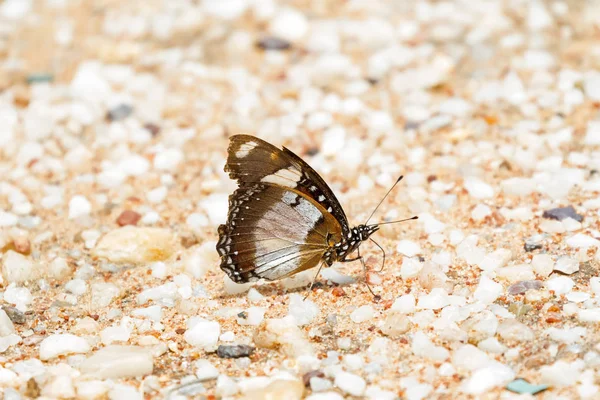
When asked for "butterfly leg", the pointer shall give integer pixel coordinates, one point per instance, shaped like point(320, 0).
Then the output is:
point(313, 281)
point(362, 261)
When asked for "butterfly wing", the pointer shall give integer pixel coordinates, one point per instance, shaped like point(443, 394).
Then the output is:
point(252, 160)
point(273, 232)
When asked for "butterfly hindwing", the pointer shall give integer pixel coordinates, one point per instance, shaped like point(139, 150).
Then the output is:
point(273, 232)
point(252, 160)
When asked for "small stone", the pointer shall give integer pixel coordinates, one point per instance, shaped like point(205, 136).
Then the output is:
point(103, 294)
point(515, 273)
point(128, 217)
point(350, 383)
point(79, 206)
point(542, 264)
point(524, 286)
point(18, 268)
point(362, 314)
point(76, 286)
point(203, 334)
point(566, 265)
point(488, 291)
point(22, 245)
point(561, 373)
point(560, 285)
point(487, 378)
point(235, 351)
point(168, 160)
point(435, 300)
point(478, 189)
point(253, 316)
point(561, 213)
point(19, 296)
point(205, 370)
point(157, 195)
point(283, 334)
point(408, 248)
point(131, 244)
point(111, 334)
point(17, 316)
point(470, 358)
point(292, 389)
point(405, 304)
point(581, 240)
point(60, 344)
point(119, 113)
point(6, 325)
point(113, 362)
point(422, 346)
point(273, 43)
point(511, 329)
point(589, 315)
point(480, 212)
point(289, 24)
point(319, 384)
point(395, 323)
point(304, 311)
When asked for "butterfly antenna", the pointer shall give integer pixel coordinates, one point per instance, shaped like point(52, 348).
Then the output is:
point(397, 221)
point(386, 195)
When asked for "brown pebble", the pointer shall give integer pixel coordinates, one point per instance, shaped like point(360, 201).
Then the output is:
point(153, 129)
point(128, 217)
point(338, 292)
point(312, 374)
point(180, 331)
point(22, 245)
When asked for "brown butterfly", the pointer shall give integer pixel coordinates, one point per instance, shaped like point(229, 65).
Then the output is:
point(283, 218)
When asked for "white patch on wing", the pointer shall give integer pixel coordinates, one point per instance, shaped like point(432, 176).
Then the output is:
point(288, 177)
point(245, 149)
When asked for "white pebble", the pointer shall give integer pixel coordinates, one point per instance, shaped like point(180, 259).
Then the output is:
point(289, 24)
point(254, 316)
point(157, 195)
point(76, 286)
point(408, 248)
point(581, 240)
point(561, 373)
point(79, 206)
point(168, 160)
point(362, 314)
point(205, 370)
point(350, 383)
point(542, 264)
point(487, 291)
point(566, 265)
point(487, 378)
point(304, 311)
point(204, 334)
point(404, 304)
point(423, 347)
point(435, 300)
point(60, 344)
point(19, 296)
point(480, 212)
point(114, 361)
point(560, 285)
point(478, 189)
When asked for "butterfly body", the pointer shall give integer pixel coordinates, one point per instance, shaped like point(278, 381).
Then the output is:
point(283, 218)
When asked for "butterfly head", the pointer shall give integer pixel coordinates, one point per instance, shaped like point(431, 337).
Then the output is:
point(363, 232)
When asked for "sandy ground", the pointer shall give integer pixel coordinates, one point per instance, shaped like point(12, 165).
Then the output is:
point(115, 118)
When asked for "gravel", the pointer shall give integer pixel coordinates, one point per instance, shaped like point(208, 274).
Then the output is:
point(113, 142)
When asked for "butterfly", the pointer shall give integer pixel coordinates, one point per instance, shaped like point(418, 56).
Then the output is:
point(283, 218)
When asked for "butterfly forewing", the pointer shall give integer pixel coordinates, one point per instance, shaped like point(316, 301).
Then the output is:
point(272, 232)
point(251, 160)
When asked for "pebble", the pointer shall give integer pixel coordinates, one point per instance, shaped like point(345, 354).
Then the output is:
point(487, 378)
point(61, 344)
point(478, 189)
point(205, 370)
point(119, 112)
point(6, 325)
point(103, 294)
point(350, 383)
point(561, 373)
point(79, 206)
point(131, 244)
point(511, 329)
point(289, 24)
point(17, 268)
point(253, 316)
point(168, 160)
point(292, 389)
point(325, 396)
point(566, 265)
point(561, 213)
point(362, 314)
point(408, 248)
point(524, 286)
point(128, 217)
point(115, 361)
point(235, 351)
point(284, 334)
point(487, 291)
point(395, 324)
point(273, 43)
point(542, 264)
point(303, 311)
point(560, 285)
point(581, 240)
point(17, 316)
point(422, 346)
point(405, 304)
point(203, 334)
point(19, 296)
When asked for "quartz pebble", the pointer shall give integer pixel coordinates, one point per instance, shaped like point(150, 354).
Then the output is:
point(284, 334)
point(60, 344)
point(203, 334)
point(350, 383)
point(130, 244)
point(112, 362)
